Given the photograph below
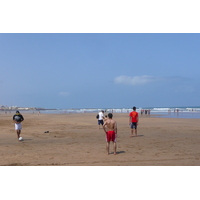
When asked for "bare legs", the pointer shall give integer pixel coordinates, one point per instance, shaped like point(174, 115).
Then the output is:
point(108, 147)
point(18, 133)
point(99, 126)
point(115, 148)
point(133, 132)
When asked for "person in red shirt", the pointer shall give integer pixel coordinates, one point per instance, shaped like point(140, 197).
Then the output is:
point(133, 122)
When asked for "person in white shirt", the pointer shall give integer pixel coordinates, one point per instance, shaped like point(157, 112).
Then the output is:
point(100, 119)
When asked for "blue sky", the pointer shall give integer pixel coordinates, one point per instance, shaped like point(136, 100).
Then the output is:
point(105, 70)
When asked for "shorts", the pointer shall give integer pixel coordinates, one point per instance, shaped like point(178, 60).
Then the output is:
point(134, 125)
point(100, 122)
point(18, 126)
point(110, 136)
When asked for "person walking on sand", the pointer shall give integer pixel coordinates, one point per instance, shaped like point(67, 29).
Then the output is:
point(18, 118)
point(110, 128)
point(133, 122)
point(100, 119)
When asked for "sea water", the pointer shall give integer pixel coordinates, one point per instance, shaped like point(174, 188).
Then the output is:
point(169, 112)
point(177, 112)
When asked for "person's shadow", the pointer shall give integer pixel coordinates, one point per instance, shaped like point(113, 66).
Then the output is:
point(137, 136)
point(119, 152)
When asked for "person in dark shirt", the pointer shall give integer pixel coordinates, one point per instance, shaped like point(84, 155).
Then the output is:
point(18, 118)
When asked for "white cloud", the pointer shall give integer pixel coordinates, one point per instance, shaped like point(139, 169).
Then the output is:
point(142, 80)
point(135, 80)
point(66, 94)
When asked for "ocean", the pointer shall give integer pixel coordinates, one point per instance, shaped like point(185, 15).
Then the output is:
point(190, 112)
point(169, 112)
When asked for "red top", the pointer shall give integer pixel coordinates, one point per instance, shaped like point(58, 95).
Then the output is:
point(134, 116)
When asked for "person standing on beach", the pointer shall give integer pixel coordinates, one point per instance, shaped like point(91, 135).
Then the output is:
point(18, 118)
point(110, 128)
point(100, 119)
point(133, 122)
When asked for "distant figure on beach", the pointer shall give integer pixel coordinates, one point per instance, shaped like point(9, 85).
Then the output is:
point(100, 119)
point(110, 128)
point(18, 118)
point(133, 122)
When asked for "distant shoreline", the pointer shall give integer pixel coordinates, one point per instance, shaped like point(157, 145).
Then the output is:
point(37, 109)
point(186, 115)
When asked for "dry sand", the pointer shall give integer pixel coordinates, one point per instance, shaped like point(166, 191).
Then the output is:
point(74, 140)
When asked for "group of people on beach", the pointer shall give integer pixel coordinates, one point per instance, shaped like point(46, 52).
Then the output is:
point(147, 112)
point(110, 127)
point(108, 123)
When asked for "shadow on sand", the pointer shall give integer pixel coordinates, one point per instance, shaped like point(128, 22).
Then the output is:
point(118, 152)
point(137, 136)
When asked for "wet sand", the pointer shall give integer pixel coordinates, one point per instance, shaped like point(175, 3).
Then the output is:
point(74, 140)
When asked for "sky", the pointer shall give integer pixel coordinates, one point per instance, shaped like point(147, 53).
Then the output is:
point(99, 55)
point(99, 70)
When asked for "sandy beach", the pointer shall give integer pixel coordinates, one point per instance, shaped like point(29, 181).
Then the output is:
point(74, 140)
